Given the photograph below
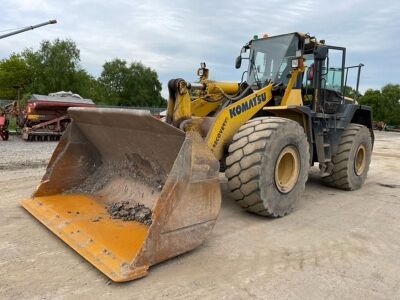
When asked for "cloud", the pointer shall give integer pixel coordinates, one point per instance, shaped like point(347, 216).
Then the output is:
point(174, 37)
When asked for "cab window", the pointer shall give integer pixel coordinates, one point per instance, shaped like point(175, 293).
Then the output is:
point(332, 71)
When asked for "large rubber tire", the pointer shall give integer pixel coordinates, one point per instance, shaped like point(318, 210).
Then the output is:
point(344, 174)
point(251, 162)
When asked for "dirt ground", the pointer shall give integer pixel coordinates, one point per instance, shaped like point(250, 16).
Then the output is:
point(336, 244)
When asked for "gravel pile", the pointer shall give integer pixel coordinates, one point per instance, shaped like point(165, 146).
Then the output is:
point(130, 212)
point(137, 169)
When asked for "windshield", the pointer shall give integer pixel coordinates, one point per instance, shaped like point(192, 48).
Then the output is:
point(270, 59)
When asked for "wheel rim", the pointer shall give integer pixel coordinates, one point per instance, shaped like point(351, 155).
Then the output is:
point(287, 169)
point(360, 160)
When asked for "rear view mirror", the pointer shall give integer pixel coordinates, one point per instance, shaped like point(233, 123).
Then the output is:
point(238, 62)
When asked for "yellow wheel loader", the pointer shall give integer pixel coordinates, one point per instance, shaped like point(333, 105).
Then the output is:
point(127, 191)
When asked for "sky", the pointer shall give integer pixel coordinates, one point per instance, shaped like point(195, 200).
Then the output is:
point(173, 37)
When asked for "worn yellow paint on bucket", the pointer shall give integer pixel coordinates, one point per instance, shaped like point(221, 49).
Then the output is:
point(83, 222)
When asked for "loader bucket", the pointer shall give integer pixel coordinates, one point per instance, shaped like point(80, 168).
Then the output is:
point(127, 191)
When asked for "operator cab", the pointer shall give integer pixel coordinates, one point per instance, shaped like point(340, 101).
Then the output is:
point(324, 77)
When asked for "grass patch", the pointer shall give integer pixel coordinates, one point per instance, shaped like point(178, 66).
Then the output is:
point(12, 125)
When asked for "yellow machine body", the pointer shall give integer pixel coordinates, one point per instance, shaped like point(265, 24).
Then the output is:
point(112, 157)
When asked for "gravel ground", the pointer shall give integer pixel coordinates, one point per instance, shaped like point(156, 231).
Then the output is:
point(336, 244)
point(18, 154)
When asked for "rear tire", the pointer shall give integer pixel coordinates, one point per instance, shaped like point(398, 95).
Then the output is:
point(351, 162)
point(267, 165)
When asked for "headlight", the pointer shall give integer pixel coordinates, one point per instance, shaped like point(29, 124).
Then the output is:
point(295, 63)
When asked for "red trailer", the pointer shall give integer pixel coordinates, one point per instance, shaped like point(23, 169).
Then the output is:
point(46, 118)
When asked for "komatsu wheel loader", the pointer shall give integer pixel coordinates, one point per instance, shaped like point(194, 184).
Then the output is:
point(126, 190)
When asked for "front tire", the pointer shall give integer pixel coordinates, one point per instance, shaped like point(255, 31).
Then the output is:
point(351, 162)
point(267, 165)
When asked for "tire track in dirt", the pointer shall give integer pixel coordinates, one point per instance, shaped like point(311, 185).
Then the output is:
point(334, 253)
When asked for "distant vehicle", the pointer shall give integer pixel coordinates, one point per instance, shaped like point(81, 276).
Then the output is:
point(45, 117)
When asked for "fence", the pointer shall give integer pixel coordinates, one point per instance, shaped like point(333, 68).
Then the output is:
point(4, 102)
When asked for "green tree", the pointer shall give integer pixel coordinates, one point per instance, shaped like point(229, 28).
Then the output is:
point(391, 96)
point(53, 65)
point(14, 72)
point(350, 92)
point(385, 103)
point(86, 85)
point(130, 85)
